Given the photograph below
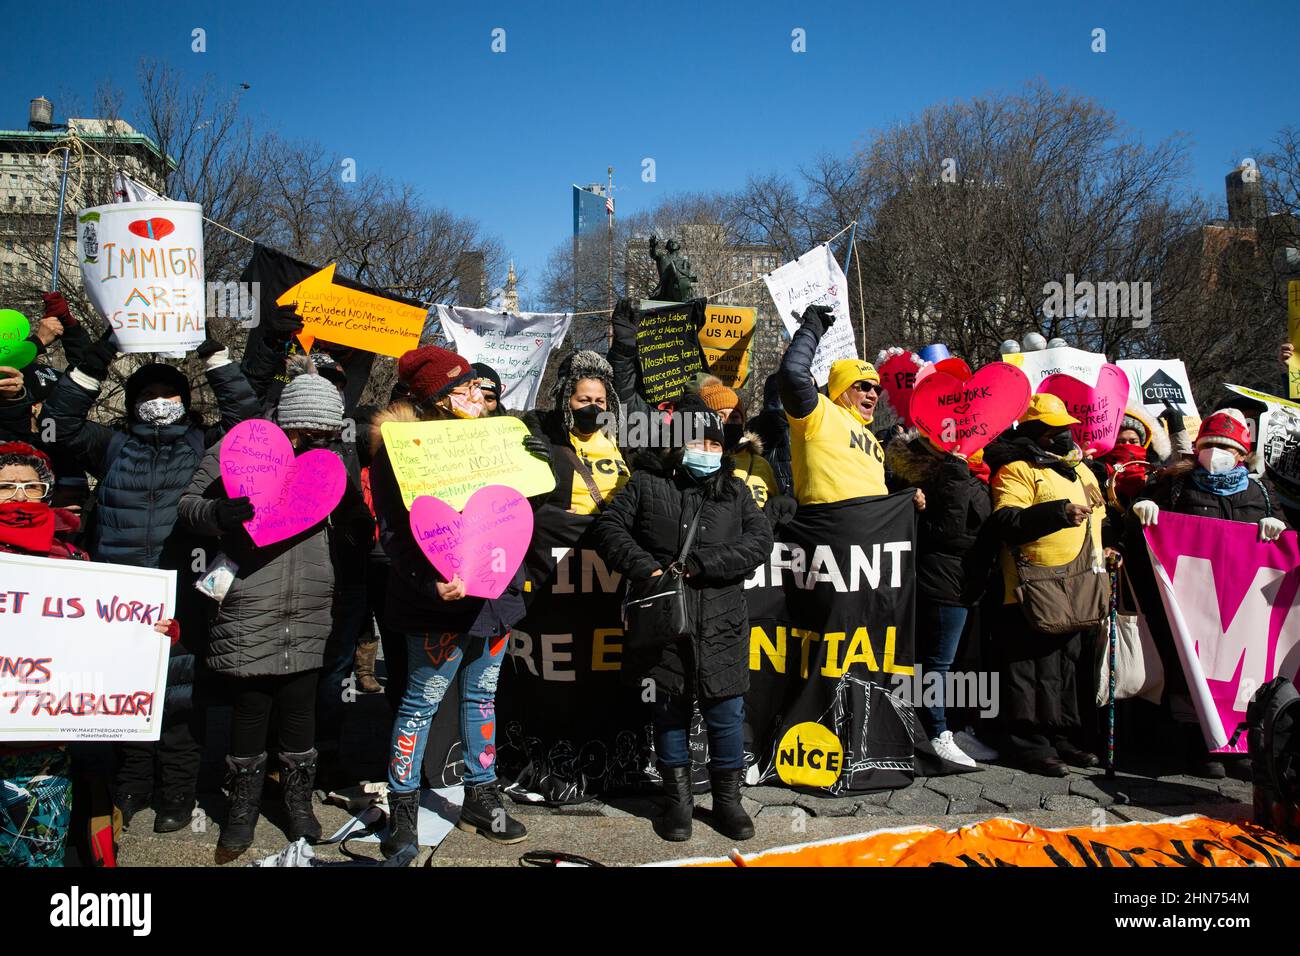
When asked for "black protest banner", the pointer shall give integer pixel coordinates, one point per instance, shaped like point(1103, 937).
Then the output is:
point(275, 273)
point(668, 349)
point(831, 635)
point(831, 619)
point(569, 725)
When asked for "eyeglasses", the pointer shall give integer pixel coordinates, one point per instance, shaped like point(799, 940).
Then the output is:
point(32, 490)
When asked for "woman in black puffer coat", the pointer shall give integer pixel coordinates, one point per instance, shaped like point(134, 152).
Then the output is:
point(640, 534)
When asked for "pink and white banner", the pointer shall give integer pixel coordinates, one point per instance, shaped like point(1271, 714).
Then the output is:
point(1229, 598)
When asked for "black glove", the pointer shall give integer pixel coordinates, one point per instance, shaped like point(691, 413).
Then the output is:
point(538, 447)
point(233, 512)
point(284, 322)
point(99, 356)
point(209, 347)
point(1173, 418)
point(820, 317)
point(624, 322)
point(780, 510)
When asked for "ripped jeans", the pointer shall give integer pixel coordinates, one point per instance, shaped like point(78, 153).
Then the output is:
point(435, 660)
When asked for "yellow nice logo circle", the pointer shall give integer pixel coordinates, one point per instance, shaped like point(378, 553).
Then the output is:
point(809, 756)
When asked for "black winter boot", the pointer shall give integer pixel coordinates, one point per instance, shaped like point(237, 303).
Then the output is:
point(679, 804)
point(729, 818)
point(175, 811)
point(403, 825)
point(484, 813)
point(297, 780)
point(247, 774)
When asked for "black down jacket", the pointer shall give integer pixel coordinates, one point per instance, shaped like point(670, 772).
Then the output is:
point(950, 568)
point(1174, 490)
point(277, 615)
point(642, 531)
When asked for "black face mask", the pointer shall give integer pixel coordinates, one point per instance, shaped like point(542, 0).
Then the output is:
point(1062, 443)
point(731, 435)
point(587, 419)
point(312, 444)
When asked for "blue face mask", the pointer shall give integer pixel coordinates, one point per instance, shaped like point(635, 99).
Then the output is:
point(701, 463)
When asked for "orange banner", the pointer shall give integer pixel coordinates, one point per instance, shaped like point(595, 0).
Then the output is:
point(1181, 841)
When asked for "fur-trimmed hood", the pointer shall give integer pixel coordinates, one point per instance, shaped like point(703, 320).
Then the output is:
point(749, 442)
point(572, 369)
point(399, 411)
point(907, 459)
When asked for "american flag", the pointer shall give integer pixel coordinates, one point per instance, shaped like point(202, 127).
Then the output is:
point(609, 205)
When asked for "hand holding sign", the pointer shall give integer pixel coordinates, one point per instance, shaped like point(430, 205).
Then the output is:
point(963, 417)
point(1099, 409)
point(289, 493)
point(483, 545)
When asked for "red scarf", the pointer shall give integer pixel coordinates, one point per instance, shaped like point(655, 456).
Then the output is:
point(1133, 478)
point(27, 526)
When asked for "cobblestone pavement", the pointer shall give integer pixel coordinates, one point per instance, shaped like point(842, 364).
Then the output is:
point(619, 830)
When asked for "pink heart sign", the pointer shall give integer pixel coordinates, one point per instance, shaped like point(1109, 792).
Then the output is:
point(484, 544)
point(898, 378)
point(289, 494)
point(963, 417)
point(1099, 409)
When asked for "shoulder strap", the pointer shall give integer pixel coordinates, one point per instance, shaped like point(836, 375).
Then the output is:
point(1176, 490)
point(580, 467)
point(690, 532)
point(1268, 500)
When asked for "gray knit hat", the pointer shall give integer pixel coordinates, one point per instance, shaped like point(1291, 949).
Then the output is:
point(310, 401)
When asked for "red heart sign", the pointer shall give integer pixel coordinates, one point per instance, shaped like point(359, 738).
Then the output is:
point(898, 379)
point(965, 416)
point(154, 228)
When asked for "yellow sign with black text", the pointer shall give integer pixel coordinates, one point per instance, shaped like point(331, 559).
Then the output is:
point(725, 338)
point(809, 755)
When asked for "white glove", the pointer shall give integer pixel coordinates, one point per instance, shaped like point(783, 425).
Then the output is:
point(1148, 512)
point(1270, 529)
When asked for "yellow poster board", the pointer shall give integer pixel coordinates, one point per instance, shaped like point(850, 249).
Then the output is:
point(360, 320)
point(725, 338)
point(453, 459)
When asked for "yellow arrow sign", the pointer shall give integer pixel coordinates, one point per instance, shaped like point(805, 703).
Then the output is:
point(335, 313)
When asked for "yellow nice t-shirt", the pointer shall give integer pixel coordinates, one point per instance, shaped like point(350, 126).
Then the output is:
point(1019, 485)
point(608, 470)
point(757, 475)
point(834, 456)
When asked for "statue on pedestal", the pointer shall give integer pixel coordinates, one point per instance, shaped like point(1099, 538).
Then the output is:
point(675, 278)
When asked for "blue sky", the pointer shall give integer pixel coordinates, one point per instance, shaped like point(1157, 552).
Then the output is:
point(712, 91)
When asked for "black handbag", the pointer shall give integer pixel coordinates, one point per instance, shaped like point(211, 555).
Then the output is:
point(654, 611)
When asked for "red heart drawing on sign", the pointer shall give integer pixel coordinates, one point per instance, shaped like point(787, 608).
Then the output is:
point(154, 228)
point(965, 416)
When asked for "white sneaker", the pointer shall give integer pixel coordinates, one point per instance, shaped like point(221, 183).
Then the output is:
point(945, 747)
point(972, 745)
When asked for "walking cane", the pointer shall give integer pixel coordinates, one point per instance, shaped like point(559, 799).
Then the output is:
point(1110, 696)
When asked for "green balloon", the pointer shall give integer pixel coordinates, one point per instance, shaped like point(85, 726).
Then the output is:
point(15, 350)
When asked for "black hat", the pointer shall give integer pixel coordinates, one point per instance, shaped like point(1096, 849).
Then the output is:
point(147, 375)
point(704, 422)
point(489, 373)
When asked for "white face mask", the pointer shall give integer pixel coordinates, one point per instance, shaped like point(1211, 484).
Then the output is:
point(1217, 461)
point(159, 411)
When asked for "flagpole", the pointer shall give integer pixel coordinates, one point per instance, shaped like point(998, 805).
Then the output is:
point(609, 207)
point(58, 221)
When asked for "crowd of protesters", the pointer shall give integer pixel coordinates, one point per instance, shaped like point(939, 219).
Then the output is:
point(702, 507)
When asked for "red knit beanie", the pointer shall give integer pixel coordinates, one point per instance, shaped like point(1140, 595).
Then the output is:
point(431, 372)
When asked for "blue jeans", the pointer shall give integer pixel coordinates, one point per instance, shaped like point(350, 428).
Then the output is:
point(723, 716)
point(939, 628)
point(435, 660)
